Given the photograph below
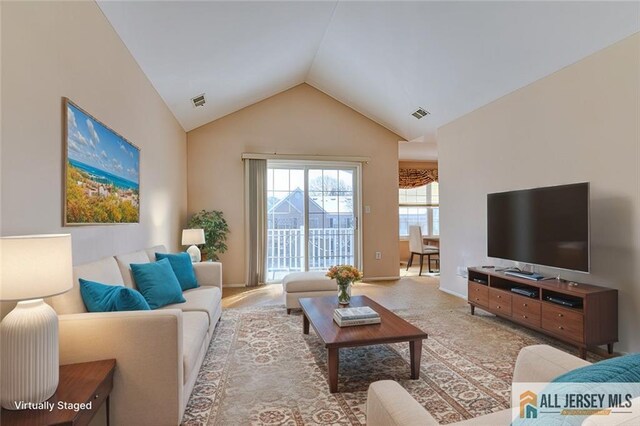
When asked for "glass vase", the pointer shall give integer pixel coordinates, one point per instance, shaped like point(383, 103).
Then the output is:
point(344, 292)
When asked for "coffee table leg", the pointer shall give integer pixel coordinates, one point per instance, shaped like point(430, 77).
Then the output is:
point(305, 324)
point(333, 359)
point(415, 348)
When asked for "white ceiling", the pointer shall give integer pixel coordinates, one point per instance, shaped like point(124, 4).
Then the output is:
point(384, 59)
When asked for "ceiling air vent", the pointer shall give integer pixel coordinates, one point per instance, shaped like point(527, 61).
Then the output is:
point(198, 101)
point(420, 113)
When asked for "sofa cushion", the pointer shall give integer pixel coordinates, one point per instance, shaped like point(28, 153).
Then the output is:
point(201, 299)
point(543, 363)
point(99, 297)
point(182, 267)
point(151, 252)
point(194, 331)
point(104, 270)
point(124, 263)
point(308, 281)
point(157, 283)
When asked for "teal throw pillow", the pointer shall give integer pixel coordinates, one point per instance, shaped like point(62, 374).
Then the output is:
point(182, 267)
point(622, 369)
point(99, 297)
point(158, 283)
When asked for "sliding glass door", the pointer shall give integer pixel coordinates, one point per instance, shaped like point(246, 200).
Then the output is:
point(312, 216)
point(285, 221)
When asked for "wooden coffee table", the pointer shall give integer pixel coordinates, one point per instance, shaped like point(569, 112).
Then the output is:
point(318, 311)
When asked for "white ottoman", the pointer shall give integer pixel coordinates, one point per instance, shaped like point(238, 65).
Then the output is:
point(306, 284)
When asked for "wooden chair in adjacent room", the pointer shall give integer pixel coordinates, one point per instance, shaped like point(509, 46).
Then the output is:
point(418, 247)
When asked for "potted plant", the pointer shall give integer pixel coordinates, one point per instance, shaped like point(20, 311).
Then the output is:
point(215, 232)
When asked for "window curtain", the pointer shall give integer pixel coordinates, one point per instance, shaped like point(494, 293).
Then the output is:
point(413, 178)
point(256, 219)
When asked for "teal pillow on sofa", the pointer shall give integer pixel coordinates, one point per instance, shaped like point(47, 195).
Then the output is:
point(622, 369)
point(182, 267)
point(99, 297)
point(158, 283)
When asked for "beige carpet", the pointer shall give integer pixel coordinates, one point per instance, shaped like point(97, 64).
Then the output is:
point(261, 370)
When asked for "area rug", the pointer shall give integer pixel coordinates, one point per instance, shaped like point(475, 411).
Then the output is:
point(261, 370)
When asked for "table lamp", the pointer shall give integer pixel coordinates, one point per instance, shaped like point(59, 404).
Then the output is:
point(29, 334)
point(193, 237)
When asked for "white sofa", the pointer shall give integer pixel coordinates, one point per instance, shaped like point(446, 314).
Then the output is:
point(158, 353)
point(389, 404)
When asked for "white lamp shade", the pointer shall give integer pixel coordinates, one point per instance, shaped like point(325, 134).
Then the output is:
point(22, 277)
point(192, 236)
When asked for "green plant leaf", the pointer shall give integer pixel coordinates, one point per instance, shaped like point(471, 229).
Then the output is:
point(215, 232)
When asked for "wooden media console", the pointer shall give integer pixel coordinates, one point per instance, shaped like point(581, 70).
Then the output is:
point(591, 322)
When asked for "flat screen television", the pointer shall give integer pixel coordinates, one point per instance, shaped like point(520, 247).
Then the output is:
point(543, 226)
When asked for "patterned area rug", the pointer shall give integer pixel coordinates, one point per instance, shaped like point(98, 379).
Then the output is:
point(261, 370)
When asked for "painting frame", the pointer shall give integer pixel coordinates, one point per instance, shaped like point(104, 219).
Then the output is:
point(130, 195)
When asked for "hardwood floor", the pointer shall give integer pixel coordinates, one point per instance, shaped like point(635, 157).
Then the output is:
point(403, 293)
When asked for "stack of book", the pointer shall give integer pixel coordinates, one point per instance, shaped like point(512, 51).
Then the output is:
point(362, 315)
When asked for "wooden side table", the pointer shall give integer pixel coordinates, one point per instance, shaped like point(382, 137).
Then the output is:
point(82, 390)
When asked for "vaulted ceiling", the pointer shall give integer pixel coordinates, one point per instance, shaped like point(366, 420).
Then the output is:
point(383, 59)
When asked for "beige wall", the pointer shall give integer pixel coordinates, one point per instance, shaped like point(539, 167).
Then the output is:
point(579, 124)
point(56, 49)
point(403, 244)
point(301, 121)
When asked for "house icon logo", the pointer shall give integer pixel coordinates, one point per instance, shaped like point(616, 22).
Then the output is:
point(528, 405)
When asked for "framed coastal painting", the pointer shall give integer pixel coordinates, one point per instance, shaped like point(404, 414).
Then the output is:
point(102, 172)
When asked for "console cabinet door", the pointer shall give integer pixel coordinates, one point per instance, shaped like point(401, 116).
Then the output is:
point(526, 310)
point(500, 301)
point(563, 322)
point(478, 294)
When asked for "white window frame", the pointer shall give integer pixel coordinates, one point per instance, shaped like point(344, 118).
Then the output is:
point(357, 185)
point(429, 233)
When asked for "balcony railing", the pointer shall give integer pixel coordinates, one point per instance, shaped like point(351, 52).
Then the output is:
point(286, 250)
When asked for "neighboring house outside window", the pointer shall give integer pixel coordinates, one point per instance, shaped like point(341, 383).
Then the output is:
point(420, 206)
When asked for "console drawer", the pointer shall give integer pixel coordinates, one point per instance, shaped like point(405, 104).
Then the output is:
point(478, 294)
point(500, 301)
point(563, 322)
point(526, 310)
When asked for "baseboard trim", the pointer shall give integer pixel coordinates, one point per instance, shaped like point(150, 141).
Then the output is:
point(397, 277)
point(453, 293)
point(234, 285)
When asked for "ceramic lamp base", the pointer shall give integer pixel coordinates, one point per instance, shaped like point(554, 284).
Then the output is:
point(29, 365)
point(194, 252)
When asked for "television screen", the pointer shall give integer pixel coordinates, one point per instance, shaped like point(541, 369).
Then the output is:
point(542, 226)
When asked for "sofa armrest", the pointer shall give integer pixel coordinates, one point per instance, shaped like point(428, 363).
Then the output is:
point(147, 347)
point(209, 274)
point(543, 363)
point(389, 404)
